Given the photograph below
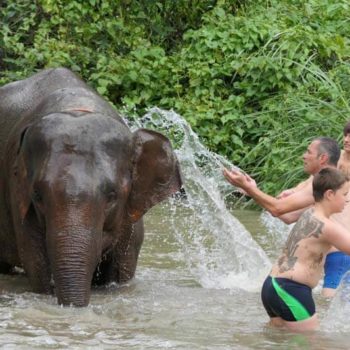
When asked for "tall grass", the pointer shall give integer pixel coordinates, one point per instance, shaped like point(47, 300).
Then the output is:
point(319, 108)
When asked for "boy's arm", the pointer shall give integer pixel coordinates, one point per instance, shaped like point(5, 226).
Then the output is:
point(338, 236)
point(299, 200)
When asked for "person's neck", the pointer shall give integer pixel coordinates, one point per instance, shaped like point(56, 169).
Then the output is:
point(324, 166)
point(322, 210)
point(346, 155)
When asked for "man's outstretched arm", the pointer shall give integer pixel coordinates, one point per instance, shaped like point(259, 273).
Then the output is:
point(277, 207)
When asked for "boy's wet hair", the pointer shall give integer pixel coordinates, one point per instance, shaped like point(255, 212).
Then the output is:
point(346, 128)
point(327, 179)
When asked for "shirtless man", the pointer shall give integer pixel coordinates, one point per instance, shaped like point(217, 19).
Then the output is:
point(322, 152)
point(287, 291)
point(337, 263)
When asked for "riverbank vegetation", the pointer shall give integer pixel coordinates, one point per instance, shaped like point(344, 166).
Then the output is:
point(257, 80)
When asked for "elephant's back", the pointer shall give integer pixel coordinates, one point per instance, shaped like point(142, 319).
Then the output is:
point(49, 91)
point(70, 99)
point(20, 98)
point(23, 96)
point(12, 105)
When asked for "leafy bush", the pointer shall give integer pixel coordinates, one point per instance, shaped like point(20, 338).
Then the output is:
point(257, 80)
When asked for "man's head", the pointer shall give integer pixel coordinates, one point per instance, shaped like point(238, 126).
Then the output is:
point(346, 137)
point(346, 129)
point(322, 152)
point(328, 179)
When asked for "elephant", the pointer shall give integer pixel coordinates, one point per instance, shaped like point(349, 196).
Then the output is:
point(75, 183)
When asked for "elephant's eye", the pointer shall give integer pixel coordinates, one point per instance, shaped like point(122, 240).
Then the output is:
point(111, 196)
point(36, 196)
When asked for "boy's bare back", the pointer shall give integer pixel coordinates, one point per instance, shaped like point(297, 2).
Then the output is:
point(304, 253)
point(311, 238)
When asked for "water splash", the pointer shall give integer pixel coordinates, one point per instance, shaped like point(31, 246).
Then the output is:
point(277, 232)
point(276, 228)
point(337, 316)
point(218, 249)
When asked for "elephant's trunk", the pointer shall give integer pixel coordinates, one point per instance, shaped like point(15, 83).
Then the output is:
point(73, 257)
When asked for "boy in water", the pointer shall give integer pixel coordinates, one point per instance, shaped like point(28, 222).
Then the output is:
point(287, 291)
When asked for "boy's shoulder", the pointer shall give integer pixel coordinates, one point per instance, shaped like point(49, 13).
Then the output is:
point(333, 230)
point(317, 223)
point(310, 224)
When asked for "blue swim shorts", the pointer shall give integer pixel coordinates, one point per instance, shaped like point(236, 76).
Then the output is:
point(336, 265)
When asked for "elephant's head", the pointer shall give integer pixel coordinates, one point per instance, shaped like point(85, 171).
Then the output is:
point(79, 182)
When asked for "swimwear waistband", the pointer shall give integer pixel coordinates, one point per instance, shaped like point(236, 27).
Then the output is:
point(290, 280)
point(336, 253)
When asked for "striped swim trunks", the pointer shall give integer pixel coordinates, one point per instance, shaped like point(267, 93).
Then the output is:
point(290, 300)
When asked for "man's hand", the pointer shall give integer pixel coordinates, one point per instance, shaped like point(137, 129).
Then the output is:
point(239, 179)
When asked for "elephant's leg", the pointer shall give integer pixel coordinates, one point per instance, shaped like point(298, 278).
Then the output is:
point(37, 268)
point(128, 253)
point(5, 268)
point(119, 265)
point(32, 250)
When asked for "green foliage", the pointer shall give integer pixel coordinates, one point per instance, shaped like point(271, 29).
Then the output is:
point(257, 80)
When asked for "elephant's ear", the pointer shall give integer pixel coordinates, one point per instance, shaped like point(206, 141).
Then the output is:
point(156, 172)
point(20, 180)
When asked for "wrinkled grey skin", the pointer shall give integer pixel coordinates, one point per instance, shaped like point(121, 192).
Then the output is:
point(75, 183)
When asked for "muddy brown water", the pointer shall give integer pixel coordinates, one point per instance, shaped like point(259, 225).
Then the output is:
point(166, 306)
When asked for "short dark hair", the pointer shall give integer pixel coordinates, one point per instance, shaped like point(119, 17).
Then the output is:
point(331, 148)
point(327, 179)
point(346, 128)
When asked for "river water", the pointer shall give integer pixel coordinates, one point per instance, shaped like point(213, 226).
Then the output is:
point(197, 284)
